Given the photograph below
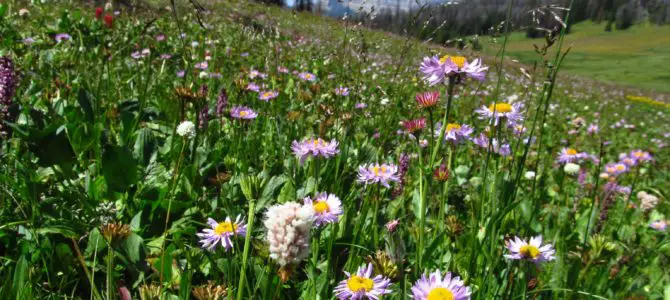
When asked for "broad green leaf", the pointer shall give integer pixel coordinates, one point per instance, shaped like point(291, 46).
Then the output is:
point(119, 168)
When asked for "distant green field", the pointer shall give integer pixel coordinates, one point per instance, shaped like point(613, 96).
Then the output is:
point(638, 56)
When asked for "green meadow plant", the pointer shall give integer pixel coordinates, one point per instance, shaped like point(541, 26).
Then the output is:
point(240, 151)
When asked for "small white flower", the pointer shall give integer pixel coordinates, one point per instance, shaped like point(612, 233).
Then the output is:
point(186, 129)
point(203, 75)
point(529, 175)
point(571, 169)
point(385, 101)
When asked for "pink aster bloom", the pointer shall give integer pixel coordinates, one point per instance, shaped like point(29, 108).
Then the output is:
point(327, 208)
point(314, 147)
point(268, 95)
point(532, 250)
point(307, 76)
point(483, 141)
point(361, 285)
point(376, 173)
point(342, 91)
point(570, 155)
point(437, 287)
point(640, 155)
point(615, 169)
point(243, 112)
point(220, 233)
point(659, 225)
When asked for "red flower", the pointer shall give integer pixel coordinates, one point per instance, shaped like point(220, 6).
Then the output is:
point(98, 12)
point(109, 21)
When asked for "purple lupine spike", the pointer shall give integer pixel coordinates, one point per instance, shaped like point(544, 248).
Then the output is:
point(7, 90)
point(221, 102)
point(203, 117)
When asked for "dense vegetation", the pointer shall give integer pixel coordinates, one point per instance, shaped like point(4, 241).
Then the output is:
point(242, 151)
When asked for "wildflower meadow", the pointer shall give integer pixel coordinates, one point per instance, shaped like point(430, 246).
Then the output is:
point(235, 150)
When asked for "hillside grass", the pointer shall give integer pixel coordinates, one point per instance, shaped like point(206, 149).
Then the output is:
point(637, 57)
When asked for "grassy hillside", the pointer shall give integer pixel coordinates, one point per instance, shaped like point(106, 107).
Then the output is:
point(638, 56)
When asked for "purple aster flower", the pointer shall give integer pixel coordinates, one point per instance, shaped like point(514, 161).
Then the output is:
point(519, 129)
point(496, 111)
point(432, 70)
point(244, 54)
point(201, 65)
point(254, 73)
point(640, 155)
point(181, 73)
point(570, 155)
point(454, 133)
point(166, 56)
point(361, 105)
point(221, 233)
point(592, 129)
point(314, 147)
point(435, 70)
point(342, 91)
point(532, 250)
point(307, 76)
point(215, 75)
point(615, 169)
point(268, 95)
point(483, 141)
point(62, 37)
point(376, 173)
point(437, 287)
point(361, 285)
point(243, 112)
point(659, 225)
point(327, 208)
point(282, 70)
point(160, 37)
point(629, 161)
point(253, 87)
point(28, 41)
point(136, 55)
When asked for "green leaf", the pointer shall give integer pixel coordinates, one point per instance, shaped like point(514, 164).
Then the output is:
point(133, 245)
point(287, 193)
point(58, 229)
point(95, 242)
point(84, 100)
point(119, 168)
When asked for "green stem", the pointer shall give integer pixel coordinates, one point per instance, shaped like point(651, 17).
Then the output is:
point(110, 268)
point(450, 97)
point(315, 261)
point(245, 253)
point(422, 209)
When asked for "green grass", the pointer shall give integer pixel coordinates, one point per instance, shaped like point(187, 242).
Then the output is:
point(637, 57)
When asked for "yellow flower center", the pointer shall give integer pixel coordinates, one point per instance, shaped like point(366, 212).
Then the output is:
point(620, 167)
point(440, 293)
point(500, 107)
point(243, 113)
point(317, 142)
point(357, 283)
point(267, 94)
point(637, 154)
point(459, 61)
point(529, 251)
point(225, 227)
point(308, 76)
point(452, 126)
point(611, 170)
point(571, 151)
point(379, 170)
point(321, 207)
